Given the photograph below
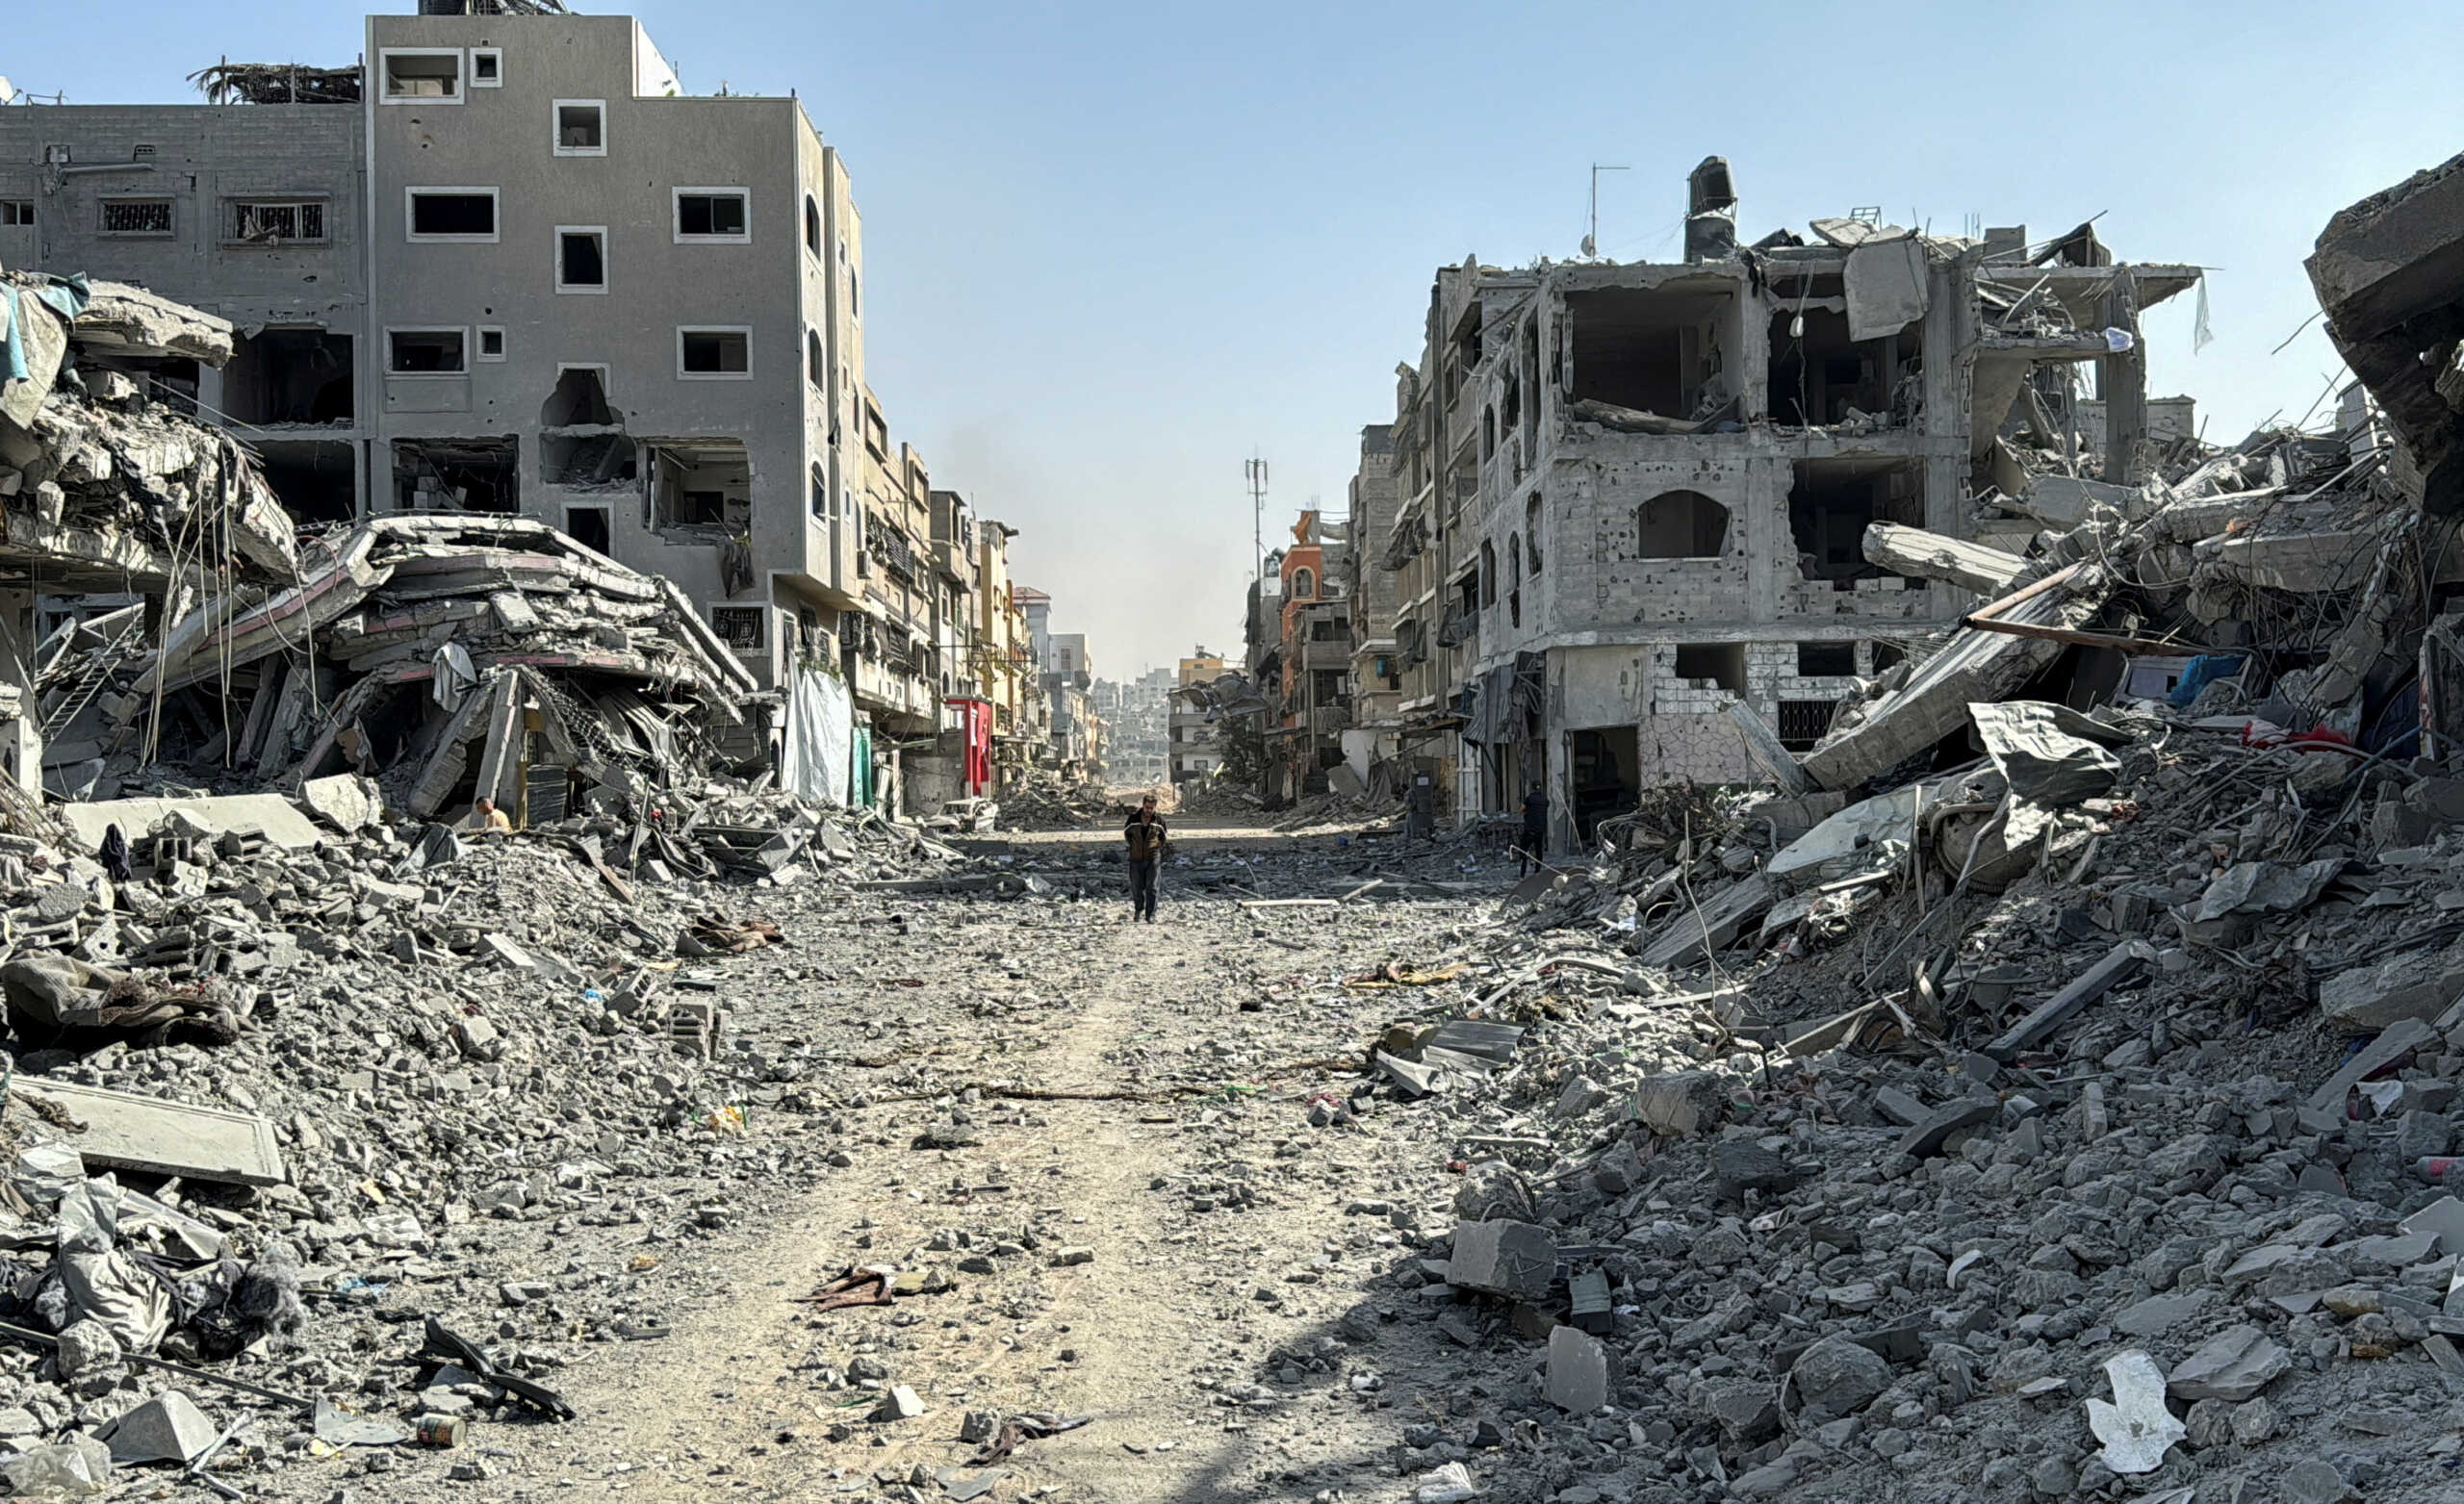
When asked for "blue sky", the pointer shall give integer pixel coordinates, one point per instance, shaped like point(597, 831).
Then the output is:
point(1113, 248)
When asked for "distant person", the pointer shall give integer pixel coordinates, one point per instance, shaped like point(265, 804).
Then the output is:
point(485, 816)
point(1531, 849)
point(1420, 809)
point(1147, 839)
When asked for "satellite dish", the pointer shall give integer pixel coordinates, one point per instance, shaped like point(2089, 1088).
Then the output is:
point(8, 91)
point(1587, 246)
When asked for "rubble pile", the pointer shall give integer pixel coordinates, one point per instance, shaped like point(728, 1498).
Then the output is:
point(1039, 798)
point(104, 468)
point(416, 648)
point(2049, 1089)
point(339, 1054)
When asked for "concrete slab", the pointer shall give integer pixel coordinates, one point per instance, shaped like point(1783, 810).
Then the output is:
point(132, 1133)
point(269, 815)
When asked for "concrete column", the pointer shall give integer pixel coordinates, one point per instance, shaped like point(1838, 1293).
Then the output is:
point(20, 739)
point(2122, 380)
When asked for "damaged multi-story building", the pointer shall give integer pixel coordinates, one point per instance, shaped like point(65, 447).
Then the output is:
point(1630, 496)
point(506, 264)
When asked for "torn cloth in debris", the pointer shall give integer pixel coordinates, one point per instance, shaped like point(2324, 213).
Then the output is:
point(52, 998)
point(68, 296)
point(2052, 756)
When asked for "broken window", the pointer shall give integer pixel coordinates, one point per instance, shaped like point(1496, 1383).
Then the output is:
point(1488, 575)
point(820, 492)
point(714, 353)
point(1662, 351)
point(587, 525)
point(16, 211)
point(1826, 660)
point(711, 213)
point(813, 225)
point(580, 396)
point(1532, 533)
point(454, 213)
point(137, 216)
point(1820, 376)
point(582, 259)
point(487, 67)
point(491, 342)
point(456, 475)
point(1514, 579)
point(1304, 584)
point(423, 352)
point(581, 128)
point(274, 221)
point(289, 376)
point(1720, 664)
point(1680, 525)
point(1832, 501)
point(414, 75)
point(1804, 722)
point(738, 626)
point(701, 489)
point(816, 368)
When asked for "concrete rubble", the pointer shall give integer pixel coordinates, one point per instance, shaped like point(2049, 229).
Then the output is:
point(2047, 1090)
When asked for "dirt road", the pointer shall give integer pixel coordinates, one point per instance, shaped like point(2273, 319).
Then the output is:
point(1157, 1240)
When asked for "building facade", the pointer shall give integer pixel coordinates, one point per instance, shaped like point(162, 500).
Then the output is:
point(1630, 496)
point(523, 270)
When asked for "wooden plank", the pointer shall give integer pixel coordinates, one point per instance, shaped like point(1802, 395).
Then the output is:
point(133, 1132)
point(2119, 964)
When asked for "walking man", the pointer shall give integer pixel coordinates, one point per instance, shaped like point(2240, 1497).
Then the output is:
point(1533, 848)
point(1146, 838)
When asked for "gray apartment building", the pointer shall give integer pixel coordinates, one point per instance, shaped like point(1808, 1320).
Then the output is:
point(515, 269)
point(1630, 496)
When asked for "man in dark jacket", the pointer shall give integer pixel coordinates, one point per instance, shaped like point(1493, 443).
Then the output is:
point(1533, 847)
point(1146, 838)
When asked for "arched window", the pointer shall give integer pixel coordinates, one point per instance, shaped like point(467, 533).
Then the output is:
point(1488, 432)
point(1680, 525)
point(1488, 575)
point(1514, 579)
point(1532, 534)
point(816, 369)
point(1304, 585)
point(813, 225)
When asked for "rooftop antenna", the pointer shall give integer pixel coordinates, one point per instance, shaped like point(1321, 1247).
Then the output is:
point(1591, 237)
point(1256, 471)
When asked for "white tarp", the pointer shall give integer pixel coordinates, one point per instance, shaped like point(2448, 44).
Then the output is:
point(820, 731)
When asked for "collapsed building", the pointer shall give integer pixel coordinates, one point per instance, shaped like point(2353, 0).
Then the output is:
point(1631, 496)
point(111, 487)
point(457, 657)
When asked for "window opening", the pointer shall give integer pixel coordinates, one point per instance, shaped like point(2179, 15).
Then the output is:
point(276, 221)
point(137, 216)
point(709, 215)
point(1680, 525)
point(582, 260)
point(454, 213)
point(715, 353)
point(425, 351)
point(581, 128)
